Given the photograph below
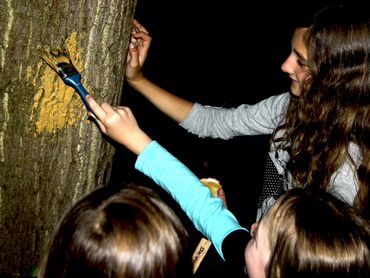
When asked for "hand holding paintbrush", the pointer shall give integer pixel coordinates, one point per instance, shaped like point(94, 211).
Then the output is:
point(60, 61)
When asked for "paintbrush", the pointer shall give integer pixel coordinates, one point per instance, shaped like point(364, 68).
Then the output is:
point(60, 61)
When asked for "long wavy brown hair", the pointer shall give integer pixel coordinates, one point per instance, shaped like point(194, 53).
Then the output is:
point(333, 108)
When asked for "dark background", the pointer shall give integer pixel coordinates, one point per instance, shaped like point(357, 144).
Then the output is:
point(217, 53)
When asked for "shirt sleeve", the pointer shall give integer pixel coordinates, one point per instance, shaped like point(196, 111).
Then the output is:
point(225, 123)
point(207, 213)
point(233, 249)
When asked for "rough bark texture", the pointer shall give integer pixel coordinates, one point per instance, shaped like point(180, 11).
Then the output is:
point(50, 153)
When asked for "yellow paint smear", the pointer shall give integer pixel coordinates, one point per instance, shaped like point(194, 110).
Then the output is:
point(56, 105)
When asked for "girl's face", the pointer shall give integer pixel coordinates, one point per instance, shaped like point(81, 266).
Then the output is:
point(296, 63)
point(257, 252)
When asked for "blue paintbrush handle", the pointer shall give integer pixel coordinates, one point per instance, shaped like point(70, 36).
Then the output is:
point(74, 81)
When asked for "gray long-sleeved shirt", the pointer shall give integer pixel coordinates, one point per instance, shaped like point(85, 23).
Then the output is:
point(262, 118)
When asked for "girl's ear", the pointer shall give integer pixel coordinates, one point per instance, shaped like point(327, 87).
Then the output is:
point(253, 229)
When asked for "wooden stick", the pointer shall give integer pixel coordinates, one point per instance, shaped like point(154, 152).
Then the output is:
point(200, 252)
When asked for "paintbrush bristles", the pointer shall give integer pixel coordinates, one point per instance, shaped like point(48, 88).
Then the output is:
point(55, 57)
point(50, 62)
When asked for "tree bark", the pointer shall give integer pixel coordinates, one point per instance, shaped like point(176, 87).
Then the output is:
point(50, 153)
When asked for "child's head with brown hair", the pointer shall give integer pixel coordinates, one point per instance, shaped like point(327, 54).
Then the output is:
point(307, 234)
point(129, 233)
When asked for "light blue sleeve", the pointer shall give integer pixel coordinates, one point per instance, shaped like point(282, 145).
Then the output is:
point(207, 213)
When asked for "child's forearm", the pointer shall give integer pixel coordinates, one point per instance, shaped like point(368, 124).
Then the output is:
point(206, 212)
point(173, 106)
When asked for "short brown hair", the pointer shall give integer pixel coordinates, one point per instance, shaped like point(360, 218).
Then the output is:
point(129, 233)
point(317, 235)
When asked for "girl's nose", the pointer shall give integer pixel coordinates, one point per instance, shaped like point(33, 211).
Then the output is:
point(287, 65)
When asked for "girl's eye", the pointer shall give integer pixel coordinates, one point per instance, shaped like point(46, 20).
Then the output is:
point(301, 63)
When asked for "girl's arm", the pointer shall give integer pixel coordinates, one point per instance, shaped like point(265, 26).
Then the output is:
point(206, 212)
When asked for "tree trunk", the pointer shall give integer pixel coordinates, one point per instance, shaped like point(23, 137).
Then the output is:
point(50, 153)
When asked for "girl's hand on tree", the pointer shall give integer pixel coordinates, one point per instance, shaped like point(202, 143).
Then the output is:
point(137, 52)
point(119, 124)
